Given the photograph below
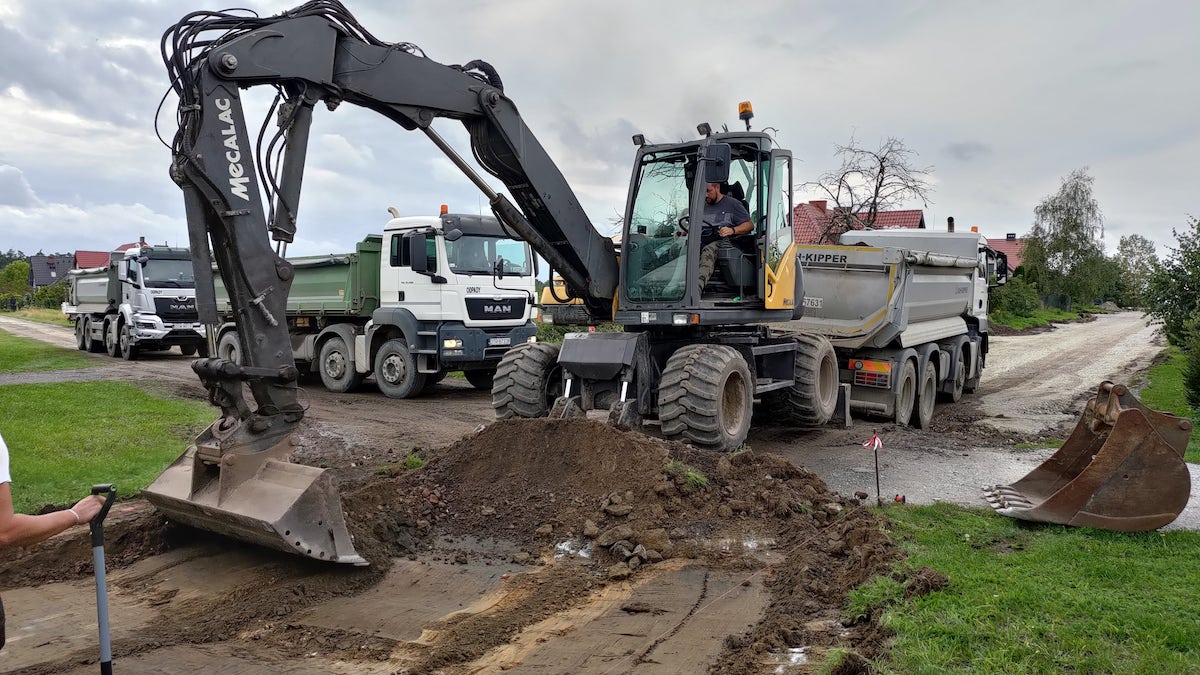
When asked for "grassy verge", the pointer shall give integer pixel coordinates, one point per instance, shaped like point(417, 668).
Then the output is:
point(41, 315)
point(1041, 317)
point(18, 355)
point(1026, 598)
point(1165, 391)
point(62, 438)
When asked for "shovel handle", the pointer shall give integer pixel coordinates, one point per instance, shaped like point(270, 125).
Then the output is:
point(97, 524)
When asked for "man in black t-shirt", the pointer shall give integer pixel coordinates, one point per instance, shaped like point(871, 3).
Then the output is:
point(724, 217)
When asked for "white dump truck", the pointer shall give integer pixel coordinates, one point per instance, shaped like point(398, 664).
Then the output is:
point(907, 314)
point(143, 300)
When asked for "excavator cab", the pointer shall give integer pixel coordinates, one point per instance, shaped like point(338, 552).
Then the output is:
point(1121, 469)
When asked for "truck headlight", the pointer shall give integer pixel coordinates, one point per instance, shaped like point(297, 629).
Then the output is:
point(451, 343)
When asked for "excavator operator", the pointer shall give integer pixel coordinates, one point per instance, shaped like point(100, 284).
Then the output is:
point(724, 217)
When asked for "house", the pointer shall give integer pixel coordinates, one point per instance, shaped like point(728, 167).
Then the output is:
point(46, 270)
point(89, 259)
point(1010, 246)
point(813, 223)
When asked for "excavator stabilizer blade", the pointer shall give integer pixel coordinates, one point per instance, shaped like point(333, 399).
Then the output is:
point(1121, 469)
point(257, 499)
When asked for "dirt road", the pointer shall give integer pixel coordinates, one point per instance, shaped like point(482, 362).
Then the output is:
point(468, 588)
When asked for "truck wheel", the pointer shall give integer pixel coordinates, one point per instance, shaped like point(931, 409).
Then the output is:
point(337, 370)
point(960, 377)
point(922, 415)
point(706, 396)
point(112, 344)
point(481, 379)
point(906, 396)
point(229, 348)
point(93, 346)
point(188, 350)
point(972, 383)
point(396, 370)
point(129, 351)
point(81, 339)
point(810, 402)
point(527, 381)
point(432, 379)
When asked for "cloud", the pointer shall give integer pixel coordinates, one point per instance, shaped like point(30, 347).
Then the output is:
point(15, 190)
point(967, 151)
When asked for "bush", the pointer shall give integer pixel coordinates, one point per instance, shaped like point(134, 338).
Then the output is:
point(52, 296)
point(1017, 298)
point(1191, 368)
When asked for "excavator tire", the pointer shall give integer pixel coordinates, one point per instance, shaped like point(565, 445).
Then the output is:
point(906, 395)
point(396, 370)
point(1121, 469)
point(922, 415)
point(809, 402)
point(527, 381)
point(480, 379)
point(337, 370)
point(706, 396)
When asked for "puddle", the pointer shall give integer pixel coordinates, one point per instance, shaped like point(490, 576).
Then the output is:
point(572, 548)
point(788, 660)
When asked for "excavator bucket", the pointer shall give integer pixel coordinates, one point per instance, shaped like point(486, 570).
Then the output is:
point(1121, 469)
point(258, 497)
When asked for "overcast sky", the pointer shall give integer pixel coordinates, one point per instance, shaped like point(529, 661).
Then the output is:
point(1003, 99)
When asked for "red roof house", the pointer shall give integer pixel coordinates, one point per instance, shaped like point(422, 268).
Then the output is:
point(88, 259)
point(1010, 246)
point(812, 222)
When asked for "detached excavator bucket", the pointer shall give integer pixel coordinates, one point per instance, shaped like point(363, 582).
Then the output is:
point(1121, 469)
point(258, 497)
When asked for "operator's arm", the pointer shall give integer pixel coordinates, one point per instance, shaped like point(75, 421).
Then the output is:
point(18, 529)
point(738, 214)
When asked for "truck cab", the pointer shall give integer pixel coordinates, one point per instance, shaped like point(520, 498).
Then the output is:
point(158, 298)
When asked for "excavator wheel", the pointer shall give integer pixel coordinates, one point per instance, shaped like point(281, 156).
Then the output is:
point(706, 396)
point(922, 415)
point(906, 395)
point(1121, 469)
point(809, 402)
point(338, 373)
point(396, 370)
point(527, 381)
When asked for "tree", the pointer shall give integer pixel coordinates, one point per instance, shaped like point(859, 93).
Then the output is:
point(1137, 259)
point(14, 278)
point(1065, 242)
point(870, 181)
point(1173, 291)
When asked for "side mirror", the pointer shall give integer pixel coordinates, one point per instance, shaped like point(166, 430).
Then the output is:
point(417, 259)
point(716, 162)
point(498, 268)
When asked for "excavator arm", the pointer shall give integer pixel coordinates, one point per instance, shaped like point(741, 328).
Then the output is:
point(236, 478)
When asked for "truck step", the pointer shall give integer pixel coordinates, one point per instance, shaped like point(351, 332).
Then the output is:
point(765, 384)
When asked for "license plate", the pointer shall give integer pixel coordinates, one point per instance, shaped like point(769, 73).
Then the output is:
point(499, 341)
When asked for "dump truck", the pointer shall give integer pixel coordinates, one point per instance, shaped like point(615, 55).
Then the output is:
point(458, 308)
point(143, 300)
point(907, 314)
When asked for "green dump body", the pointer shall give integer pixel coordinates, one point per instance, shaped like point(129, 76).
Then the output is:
point(345, 284)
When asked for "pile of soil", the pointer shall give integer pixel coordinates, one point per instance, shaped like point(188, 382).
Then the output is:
point(613, 501)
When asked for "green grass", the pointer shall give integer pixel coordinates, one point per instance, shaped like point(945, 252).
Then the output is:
point(1165, 391)
point(42, 315)
point(689, 475)
point(1025, 598)
point(1042, 317)
point(63, 438)
point(19, 355)
point(1043, 444)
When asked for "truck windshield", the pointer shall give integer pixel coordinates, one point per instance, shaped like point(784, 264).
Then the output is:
point(475, 254)
point(167, 274)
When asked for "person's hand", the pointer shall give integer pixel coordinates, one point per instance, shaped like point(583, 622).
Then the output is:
point(88, 507)
point(726, 231)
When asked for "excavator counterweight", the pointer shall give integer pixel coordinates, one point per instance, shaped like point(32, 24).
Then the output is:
point(1121, 469)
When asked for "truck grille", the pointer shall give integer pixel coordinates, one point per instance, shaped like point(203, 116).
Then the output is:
point(488, 309)
point(176, 310)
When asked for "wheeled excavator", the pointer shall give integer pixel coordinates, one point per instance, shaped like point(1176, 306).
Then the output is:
point(693, 358)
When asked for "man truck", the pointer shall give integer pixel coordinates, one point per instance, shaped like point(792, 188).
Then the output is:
point(407, 321)
point(143, 300)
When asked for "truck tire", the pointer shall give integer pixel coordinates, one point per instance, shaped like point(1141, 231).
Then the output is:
point(707, 397)
point(93, 346)
point(922, 416)
point(959, 378)
point(188, 350)
point(906, 394)
point(527, 381)
point(230, 348)
point(811, 401)
point(431, 379)
point(481, 379)
point(112, 345)
point(336, 368)
point(396, 370)
point(972, 383)
point(129, 351)
point(81, 338)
